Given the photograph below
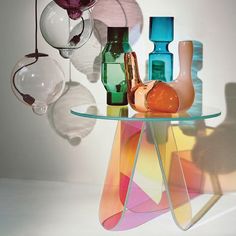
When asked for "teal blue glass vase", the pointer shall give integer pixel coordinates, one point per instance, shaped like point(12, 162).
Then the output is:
point(161, 60)
point(113, 68)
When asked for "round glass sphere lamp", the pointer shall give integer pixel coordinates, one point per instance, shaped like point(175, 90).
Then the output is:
point(62, 32)
point(37, 81)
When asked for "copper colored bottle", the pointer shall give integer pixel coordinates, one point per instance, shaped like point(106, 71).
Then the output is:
point(158, 96)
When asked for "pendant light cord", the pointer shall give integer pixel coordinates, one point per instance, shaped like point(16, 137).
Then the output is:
point(76, 38)
point(36, 27)
point(26, 97)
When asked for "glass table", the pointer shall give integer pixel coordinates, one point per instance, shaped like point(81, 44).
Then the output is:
point(152, 169)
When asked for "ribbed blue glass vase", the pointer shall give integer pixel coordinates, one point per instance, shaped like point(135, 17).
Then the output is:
point(161, 60)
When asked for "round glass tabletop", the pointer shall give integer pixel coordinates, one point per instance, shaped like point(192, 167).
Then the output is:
point(126, 113)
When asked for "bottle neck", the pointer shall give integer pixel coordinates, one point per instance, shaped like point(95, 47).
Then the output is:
point(185, 58)
point(117, 41)
point(161, 47)
point(117, 47)
point(120, 34)
point(132, 71)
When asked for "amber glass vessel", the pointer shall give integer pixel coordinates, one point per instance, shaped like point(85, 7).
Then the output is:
point(158, 96)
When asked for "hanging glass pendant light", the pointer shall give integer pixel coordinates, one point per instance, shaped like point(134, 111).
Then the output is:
point(118, 13)
point(62, 32)
point(37, 80)
point(67, 125)
point(75, 8)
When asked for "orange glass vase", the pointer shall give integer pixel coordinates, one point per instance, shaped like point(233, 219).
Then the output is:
point(158, 96)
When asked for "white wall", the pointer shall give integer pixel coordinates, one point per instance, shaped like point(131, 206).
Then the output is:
point(30, 149)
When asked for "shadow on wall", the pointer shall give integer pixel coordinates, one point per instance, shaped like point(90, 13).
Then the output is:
point(65, 124)
point(210, 164)
point(215, 154)
point(88, 58)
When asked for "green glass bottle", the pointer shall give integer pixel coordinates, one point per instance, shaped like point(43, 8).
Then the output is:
point(113, 68)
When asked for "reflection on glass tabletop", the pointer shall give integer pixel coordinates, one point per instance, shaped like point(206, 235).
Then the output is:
point(126, 113)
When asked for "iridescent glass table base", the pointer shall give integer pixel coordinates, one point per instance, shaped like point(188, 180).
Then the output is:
point(151, 170)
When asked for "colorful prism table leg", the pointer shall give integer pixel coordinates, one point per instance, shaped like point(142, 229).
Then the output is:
point(185, 180)
point(145, 179)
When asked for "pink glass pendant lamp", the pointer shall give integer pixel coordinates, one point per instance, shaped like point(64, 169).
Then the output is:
point(158, 96)
point(118, 13)
point(37, 80)
point(75, 8)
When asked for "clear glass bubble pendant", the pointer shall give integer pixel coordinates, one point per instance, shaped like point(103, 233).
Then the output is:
point(63, 33)
point(37, 80)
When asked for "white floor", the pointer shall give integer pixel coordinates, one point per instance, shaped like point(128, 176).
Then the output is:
point(34, 208)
